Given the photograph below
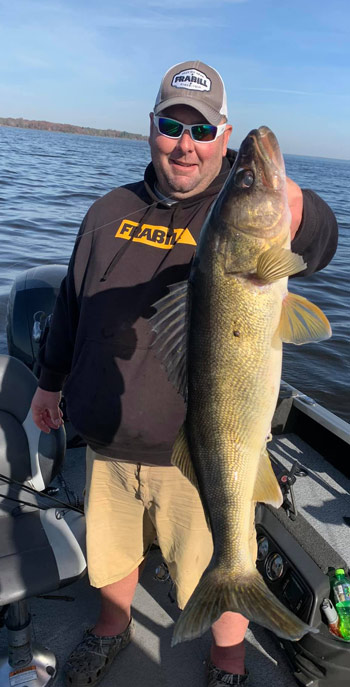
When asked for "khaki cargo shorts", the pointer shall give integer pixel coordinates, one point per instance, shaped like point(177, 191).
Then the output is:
point(127, 505)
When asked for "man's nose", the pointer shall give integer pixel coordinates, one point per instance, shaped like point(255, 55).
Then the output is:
point(185, 142)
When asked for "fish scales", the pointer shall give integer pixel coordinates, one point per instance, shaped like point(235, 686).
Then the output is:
point(231, 380)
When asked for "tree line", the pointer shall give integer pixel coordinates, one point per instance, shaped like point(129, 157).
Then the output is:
point(21, 123)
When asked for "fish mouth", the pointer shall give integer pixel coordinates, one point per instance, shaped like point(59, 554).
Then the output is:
point(269, 153)
point(261, 150)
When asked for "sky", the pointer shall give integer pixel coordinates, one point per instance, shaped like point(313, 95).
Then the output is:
point(285, 64)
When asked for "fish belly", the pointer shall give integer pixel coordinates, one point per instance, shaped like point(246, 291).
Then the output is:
point(234, 379)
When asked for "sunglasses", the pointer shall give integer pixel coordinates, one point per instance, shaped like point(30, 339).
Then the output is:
point(201, 133)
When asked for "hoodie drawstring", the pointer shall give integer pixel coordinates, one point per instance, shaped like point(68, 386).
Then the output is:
point(120, 252)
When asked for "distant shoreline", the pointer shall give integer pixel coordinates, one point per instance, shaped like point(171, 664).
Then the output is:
point(42, 125)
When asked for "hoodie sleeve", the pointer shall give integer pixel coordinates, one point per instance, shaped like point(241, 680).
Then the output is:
point(55, 356)
point(317, 237)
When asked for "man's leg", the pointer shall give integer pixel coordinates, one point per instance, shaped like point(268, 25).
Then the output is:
point(116, 601)
point(227, 649)
point(119, 533)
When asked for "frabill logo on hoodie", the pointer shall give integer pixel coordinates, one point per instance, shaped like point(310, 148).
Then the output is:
point(152, 235)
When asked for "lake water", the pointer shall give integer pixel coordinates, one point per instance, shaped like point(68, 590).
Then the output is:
point(48, 181)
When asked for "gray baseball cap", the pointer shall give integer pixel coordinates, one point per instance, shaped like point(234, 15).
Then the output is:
point(195, 84)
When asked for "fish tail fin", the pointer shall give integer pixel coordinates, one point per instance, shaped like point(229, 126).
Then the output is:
point(248, 595)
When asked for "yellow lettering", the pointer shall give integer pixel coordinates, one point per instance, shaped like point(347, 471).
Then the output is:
point(145, 233)
point(159, 236)
point(125, 229)
point(152, 235)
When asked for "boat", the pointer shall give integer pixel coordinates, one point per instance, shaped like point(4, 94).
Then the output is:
point(299, 545)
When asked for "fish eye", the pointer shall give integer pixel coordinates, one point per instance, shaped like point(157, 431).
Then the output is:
point(244, 178)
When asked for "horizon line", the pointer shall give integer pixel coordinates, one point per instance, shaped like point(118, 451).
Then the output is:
point(143, 140)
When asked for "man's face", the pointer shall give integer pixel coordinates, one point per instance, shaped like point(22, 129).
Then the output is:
point(183, 166)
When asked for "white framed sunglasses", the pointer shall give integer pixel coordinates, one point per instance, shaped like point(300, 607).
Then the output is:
point(200, 133)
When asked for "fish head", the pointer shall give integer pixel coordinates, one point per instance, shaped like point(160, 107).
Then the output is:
point(251, 213)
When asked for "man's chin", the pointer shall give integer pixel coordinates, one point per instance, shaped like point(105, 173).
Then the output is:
point(182, 186)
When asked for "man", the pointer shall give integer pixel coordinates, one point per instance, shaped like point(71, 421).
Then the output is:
point(133, 243)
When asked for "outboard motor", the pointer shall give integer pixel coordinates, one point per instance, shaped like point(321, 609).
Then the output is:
point(30, 304)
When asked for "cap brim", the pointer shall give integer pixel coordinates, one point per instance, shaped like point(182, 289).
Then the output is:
point(208, 112)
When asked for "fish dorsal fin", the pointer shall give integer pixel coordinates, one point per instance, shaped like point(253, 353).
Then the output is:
point(302, 322)
point(277, 263)
point(181, 458)
point(170, 325)
point(267, 489)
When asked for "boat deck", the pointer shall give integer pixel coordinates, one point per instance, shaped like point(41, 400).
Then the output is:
point(322, 498)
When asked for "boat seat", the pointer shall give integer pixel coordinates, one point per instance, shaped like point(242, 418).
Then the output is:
point(41, 548)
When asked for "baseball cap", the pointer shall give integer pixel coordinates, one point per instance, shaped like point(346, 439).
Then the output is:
point(195, 84)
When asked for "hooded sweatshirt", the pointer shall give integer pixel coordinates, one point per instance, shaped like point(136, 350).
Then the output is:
point(131, 246)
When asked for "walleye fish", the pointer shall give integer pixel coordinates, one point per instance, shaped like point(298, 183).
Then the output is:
point(220, 337)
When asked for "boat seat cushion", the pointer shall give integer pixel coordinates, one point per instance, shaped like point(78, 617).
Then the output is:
point(26, 453)
point(17, 387)
point(40, 551)
point(14, 453)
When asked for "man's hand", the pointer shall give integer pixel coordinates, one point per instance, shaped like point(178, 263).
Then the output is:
point(295, 202)
point(46, 412)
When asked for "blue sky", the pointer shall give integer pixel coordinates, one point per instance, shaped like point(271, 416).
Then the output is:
point(285, 64)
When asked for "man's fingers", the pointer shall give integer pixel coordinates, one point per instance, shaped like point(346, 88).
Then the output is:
point(46, 419)
point(45, 409)
point(40, 422)
point(55, 420)
point(295, 202)
point(52, 418)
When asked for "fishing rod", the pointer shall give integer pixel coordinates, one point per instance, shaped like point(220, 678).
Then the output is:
point(32, 490)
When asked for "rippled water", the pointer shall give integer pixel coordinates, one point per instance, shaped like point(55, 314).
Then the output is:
point(48, 181)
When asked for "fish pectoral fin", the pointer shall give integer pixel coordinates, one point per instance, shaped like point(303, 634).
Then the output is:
point(170, 325)
point(302, 322)
point(277, 263)
point(181, 457)
point(266, 488)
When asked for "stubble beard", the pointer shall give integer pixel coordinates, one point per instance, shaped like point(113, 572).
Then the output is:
point(177, 189)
